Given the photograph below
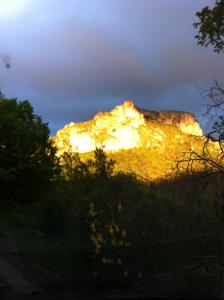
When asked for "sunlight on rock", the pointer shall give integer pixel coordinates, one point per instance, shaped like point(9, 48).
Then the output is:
point(125, 127)
point(81, 142)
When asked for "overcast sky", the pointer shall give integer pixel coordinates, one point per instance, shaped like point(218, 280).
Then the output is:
point(72, 58)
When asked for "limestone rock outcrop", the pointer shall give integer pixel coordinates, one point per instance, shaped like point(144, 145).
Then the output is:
point(125, 127)
point(184, 120)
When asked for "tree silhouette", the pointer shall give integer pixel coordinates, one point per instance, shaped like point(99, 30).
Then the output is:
point(211, 26)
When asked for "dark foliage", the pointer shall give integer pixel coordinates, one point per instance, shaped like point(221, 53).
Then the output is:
point(27, 157)
point(211, 26)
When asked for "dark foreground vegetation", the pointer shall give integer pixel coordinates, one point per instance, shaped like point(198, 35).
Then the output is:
point(87, 226)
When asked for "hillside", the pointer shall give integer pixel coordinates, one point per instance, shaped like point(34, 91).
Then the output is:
point(143, 142)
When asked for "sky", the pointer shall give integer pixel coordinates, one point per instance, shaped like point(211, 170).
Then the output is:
point(73, 58)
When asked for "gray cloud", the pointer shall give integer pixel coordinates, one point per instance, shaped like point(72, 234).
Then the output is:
point(88, 56)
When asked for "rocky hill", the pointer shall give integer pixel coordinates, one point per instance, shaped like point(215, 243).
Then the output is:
point(126, 127)
point(143, 142)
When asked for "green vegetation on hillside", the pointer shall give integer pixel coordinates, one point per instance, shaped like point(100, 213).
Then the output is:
point(158, 160)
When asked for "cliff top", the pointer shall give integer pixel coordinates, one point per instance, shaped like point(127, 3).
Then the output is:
point(125, 127)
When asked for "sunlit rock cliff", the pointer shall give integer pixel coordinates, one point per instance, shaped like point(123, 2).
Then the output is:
point(127, 127)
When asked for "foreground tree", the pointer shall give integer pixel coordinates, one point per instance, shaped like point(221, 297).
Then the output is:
point(211, 32)
point(27, 157)
point(211, 26)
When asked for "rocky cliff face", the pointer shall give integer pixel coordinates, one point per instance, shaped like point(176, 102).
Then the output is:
point(125, 127)
point(184, 120)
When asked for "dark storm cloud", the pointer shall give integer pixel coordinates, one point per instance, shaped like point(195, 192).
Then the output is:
point(73, 58)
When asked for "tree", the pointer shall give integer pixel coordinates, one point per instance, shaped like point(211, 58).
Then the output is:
point(211, 26)
point(211, 32)
point(27, 157)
